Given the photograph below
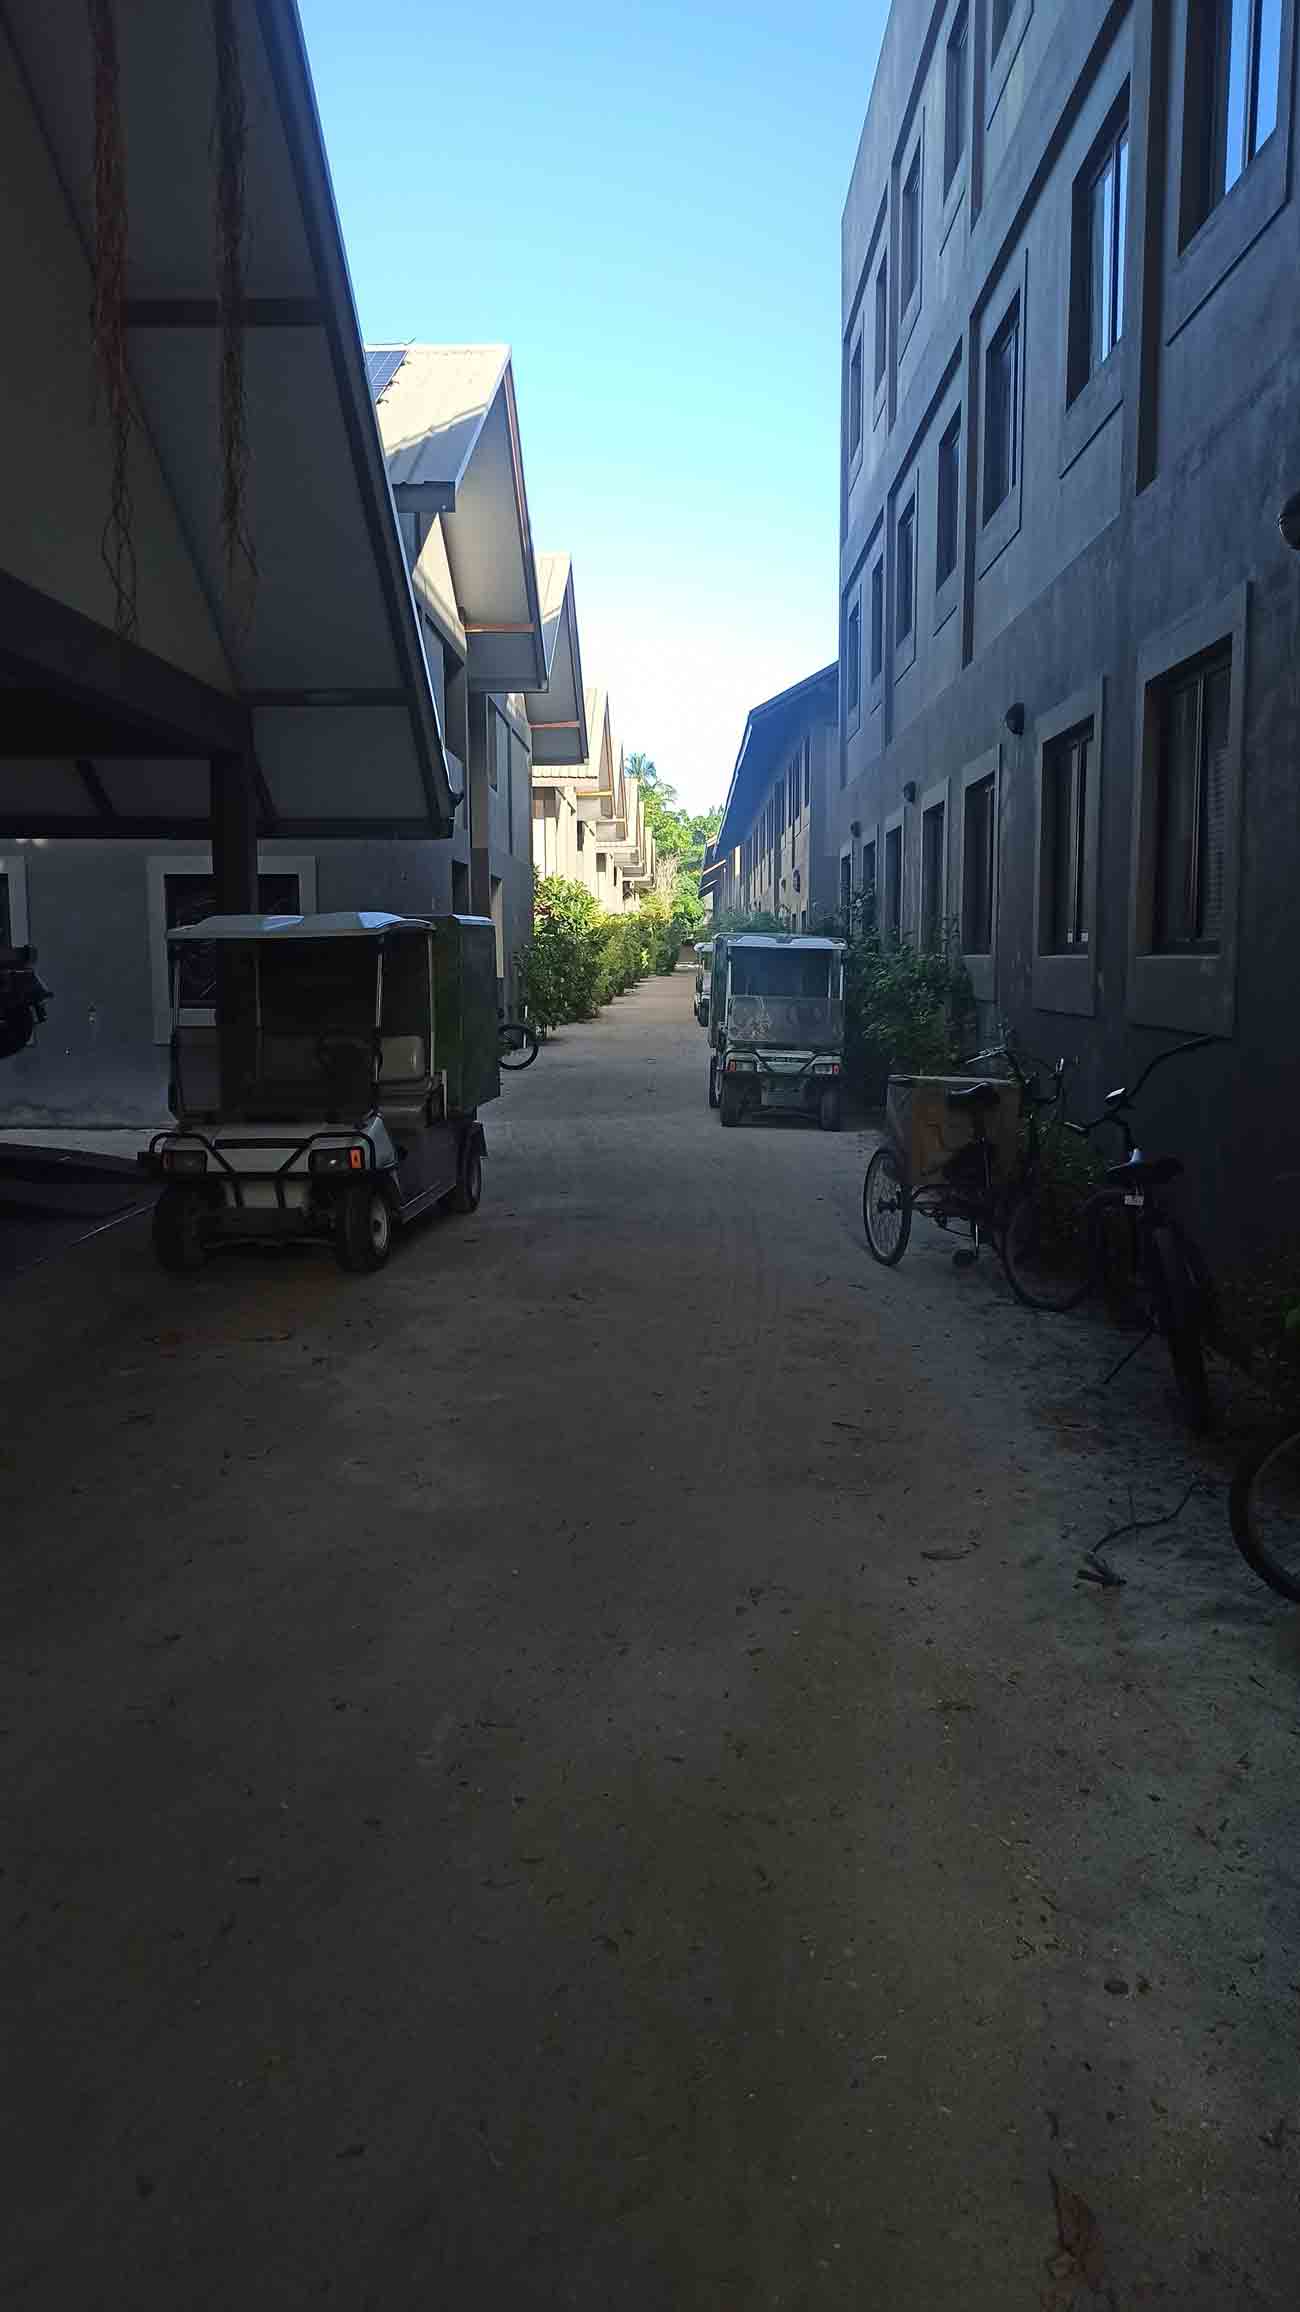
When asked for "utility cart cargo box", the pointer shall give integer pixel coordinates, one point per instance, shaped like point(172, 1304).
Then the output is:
point(465, 1010)
point(928, 1133)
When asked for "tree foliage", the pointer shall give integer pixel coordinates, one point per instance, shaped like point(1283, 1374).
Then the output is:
point(579, 958)
point(679, 834)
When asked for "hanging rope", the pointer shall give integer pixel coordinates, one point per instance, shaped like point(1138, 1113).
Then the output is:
point(107, 325)
point(230, 138)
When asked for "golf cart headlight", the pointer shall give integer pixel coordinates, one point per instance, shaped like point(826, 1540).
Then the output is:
point(738, 1062)
point(827, 1068)
point(185, 1160)
point(336, 1160)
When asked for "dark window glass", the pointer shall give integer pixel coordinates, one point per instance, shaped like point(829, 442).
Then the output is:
point(909, 242)
point(906, 594)
point(1100, 232)
point(882, 319)
point(1001, 19)
point(1066, 770)
point(187, 899)
point(1234, 50)
point(977, 868)
point(954, 108)
point(6, 919)
point(807, 772)
point(869, 871)
point(853, 652)
point(1002, 396)
point(846, 884)
point(1190, 809)
point(949, 498)
point(877, 621)
point(855, 400)
point(894, 881)
point(934, 827)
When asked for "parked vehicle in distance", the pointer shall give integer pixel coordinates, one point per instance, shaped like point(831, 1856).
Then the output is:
point(776, 1026)
point(703, 978)
point(334, 1091)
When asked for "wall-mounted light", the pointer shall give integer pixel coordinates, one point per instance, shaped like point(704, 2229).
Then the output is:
point(1288, 522)
point(909, 791)
point(1015, 720)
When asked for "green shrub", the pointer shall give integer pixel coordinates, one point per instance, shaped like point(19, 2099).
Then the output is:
point(579, 959)
point(908, 1010)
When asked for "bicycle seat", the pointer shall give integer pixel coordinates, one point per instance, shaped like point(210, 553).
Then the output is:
point(1155, 1173)
point(974, 1096)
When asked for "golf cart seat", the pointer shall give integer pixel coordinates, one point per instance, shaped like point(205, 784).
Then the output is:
point(974, 1097)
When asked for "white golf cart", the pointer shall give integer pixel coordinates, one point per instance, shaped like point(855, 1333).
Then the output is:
point(327, 1072)
point(776, 1026)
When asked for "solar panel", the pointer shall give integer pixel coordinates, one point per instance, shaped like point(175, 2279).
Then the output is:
point(382, 365)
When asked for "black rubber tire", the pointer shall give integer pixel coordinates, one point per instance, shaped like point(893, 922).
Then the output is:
point(363, 1229)
point(517, 1055)
point(1245, 1511)
point(178, 1230)
point(467, 1193)
point(884, 1174)
point(730, 1106)
point(1032, 1278)
point(713, 1079)
point(830, 1112)
point(1177, 1301)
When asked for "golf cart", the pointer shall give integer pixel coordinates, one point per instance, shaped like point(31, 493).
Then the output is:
point(776, 1025)
point(326, 1076)
point(703, 979)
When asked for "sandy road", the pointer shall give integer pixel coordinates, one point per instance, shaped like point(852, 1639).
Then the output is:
point(576, 1772)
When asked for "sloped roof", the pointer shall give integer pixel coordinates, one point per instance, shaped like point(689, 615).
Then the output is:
point(557, 715)
point(769, 728)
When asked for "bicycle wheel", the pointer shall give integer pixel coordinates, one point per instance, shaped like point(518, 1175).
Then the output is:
point(886, 1208)
point(1177, 1304)
point(517, 1044)
point(1264, 1506)
point(1048, 1246)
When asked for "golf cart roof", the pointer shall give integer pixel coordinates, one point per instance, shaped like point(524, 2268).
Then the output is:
point(704, 947)
point(783, 939)
point(348, 924)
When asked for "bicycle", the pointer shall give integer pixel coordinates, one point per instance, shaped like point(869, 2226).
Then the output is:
point(518, 1042)
point(1057, 1253)
point(1264, 1510)
point(969, 1188)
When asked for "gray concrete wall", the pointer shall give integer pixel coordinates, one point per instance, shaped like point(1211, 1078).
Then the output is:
point(1145, 512)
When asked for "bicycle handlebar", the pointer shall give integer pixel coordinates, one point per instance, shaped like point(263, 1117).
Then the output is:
point(1006, 1051)
point(1127, 1094)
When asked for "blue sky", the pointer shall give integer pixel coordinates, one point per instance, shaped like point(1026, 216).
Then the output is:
point(645, 203)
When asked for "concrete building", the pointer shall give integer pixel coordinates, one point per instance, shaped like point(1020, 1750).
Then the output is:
point(589, 822)
point(773, 851)
point(165, 734)
point(1070, 629)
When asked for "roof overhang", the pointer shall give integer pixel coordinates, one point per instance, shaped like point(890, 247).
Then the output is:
point(557, 714)
point(769, 729)
point(323, 670)
point(450, 429)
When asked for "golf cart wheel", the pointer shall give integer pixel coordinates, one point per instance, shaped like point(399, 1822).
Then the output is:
point(178, 1230)
point(469, 1185)
point(713, 1079)
point(731, 1106)
point(829, 1109)
point(363, 1228)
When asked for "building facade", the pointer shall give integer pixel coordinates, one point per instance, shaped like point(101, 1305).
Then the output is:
point(774, 852)
point(589, 822)
point(1070, 627)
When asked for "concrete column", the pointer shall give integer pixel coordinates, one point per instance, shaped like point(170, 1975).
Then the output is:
point(234, 834)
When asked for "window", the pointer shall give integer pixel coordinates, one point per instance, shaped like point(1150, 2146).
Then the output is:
point(882, 320)
point(187, 898)
point(853, 657)
point(855, 400)
point(909, 235)
point(582, 836)
point(869, 875)
point(807, 772)
point(955, 96)
point(1100, 232)
point(934, 825)
point(1001, 403)
point(1234, 53)
point(905, 594)
point(6, 917)
point(893, 881)
point(877, 622)
point(980, 808)
point(945, 560)
point(1001, 18)
point(1063, 928)
point(846, 884)
point(1191, 809)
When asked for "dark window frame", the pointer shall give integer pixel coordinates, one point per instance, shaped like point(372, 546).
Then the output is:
point(853, 662)
point(911, 240)
point(933, 919)
point(1109, 159)
point(1000, 524)
point(981, 963)
point(947, 517)
point(856, 403)
point(876, 661)
point(956, 96)
point(1199, 258)
point(880, 342)
point(1008, 20)
point(895, 865)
